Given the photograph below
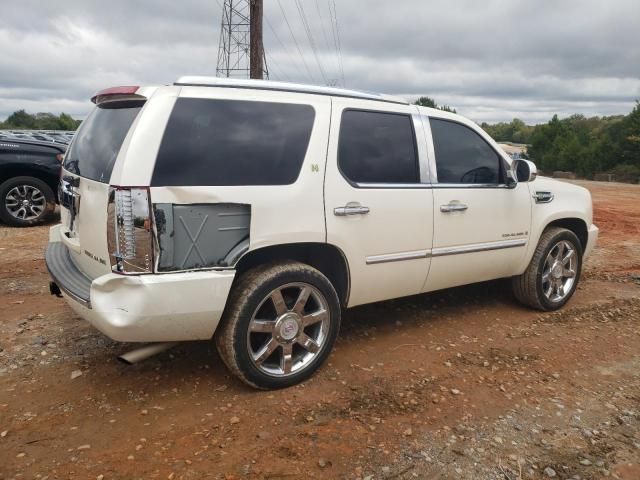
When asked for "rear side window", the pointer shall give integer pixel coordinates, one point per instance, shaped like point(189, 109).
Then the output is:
point(98, 141)
point(232, 142)
point(377, 147)
point(463, 156)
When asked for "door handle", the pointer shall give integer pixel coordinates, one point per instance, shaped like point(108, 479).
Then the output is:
point(350, 210)
point(453, 207)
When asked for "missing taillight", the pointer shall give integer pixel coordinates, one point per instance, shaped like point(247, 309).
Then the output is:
point(130, 235)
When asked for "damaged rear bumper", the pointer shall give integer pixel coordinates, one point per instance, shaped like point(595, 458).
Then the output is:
point(66, 276)
point(143, 308)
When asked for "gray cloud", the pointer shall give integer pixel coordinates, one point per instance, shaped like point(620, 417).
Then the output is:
point(492, 60)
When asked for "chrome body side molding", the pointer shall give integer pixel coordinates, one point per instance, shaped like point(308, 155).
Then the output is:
point(398, 257)
point(444, 251)
point(478, 247)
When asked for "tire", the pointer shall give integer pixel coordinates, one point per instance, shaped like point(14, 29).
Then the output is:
point(537, 287)
point(42, 201)
point(255, 323)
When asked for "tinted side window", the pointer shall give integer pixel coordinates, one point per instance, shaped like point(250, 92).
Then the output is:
point(232, 142)
point(377, 147)
point(463, 156)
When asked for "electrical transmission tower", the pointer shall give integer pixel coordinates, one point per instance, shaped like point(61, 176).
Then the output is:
point(240, 51)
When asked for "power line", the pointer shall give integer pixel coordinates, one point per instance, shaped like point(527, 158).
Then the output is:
point(324, 35)
point(273, 70)
point(307, 29)
point(336, 36)
point(285, 48)
point(296, 42)
point(233, 51)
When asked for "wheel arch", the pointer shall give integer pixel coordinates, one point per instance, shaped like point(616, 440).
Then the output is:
point(325, 257)
point(576, 225)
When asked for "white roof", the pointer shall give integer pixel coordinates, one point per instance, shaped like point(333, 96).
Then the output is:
point(285, 86)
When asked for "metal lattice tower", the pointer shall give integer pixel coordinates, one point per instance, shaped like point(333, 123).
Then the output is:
point(233, 49)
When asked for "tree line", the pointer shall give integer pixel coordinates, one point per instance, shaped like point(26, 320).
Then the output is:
point(583, 145)
point(21, 120)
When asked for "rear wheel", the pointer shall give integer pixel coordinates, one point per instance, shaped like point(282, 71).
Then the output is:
point(553, 273)
point(280, 325)
point(25, 201)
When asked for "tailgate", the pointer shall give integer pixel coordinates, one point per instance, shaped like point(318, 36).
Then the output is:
point(84, 187)
point(83, 213)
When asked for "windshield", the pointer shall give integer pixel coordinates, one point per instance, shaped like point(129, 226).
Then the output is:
point(98, 141)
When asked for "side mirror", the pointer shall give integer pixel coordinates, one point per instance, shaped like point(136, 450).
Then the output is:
point(524, 170)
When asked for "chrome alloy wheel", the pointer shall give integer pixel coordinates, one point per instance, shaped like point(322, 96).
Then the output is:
point(559, 271)
point(25, 202)
point(288, 329)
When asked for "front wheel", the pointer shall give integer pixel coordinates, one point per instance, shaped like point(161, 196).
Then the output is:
point(553, 273)
point(279, 326)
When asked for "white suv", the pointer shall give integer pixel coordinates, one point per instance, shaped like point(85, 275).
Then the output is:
point(253, 212)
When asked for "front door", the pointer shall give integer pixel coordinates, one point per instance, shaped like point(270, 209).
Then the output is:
point(378, 202)
point(481, 225)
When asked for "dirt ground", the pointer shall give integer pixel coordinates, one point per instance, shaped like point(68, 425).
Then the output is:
point(462, 383)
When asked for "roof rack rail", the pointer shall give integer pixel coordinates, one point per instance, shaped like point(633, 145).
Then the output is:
point(197, 81)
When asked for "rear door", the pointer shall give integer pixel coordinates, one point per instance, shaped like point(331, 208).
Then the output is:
point(378, 202)
point(84, 189)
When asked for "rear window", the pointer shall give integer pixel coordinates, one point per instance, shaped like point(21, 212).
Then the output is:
point(377, 147)
point(98, 141)
point(233, 142)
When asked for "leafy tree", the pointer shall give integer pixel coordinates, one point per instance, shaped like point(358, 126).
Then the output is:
point(583, 145)
point(67, 122)
point(431, 103)
point(21, 119)
point(426, 102)
point(515, 131)
point(630, 144)
point(40, 121)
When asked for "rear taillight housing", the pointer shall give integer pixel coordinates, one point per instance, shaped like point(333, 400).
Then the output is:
point(130, 231)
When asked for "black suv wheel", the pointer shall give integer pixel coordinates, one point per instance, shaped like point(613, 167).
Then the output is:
point(25, 201)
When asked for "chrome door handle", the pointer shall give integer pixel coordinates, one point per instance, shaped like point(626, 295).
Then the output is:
point(453, 207)
point(350, 210)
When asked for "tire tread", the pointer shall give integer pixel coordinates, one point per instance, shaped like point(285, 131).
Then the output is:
point(525, 286)
point(247, 283)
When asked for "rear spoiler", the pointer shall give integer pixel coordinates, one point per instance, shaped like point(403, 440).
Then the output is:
point(117, 93)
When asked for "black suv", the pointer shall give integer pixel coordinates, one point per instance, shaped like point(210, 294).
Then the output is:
point(29, 176)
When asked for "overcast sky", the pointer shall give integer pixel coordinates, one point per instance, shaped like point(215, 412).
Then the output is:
point(492, 60)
